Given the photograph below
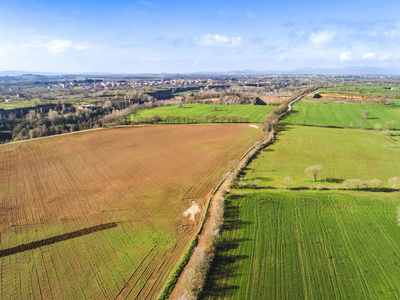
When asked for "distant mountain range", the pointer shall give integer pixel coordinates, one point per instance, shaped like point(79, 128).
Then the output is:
point(302, 71)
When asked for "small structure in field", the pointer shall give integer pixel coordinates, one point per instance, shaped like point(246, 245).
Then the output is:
point(258, 101)
point(317, 95)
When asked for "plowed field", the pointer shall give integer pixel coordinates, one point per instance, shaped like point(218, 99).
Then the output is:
point(134, 176)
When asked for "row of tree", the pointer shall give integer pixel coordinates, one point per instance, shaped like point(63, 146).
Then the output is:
point(207, 118)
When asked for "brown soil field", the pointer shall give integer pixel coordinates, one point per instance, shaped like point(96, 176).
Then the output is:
point(339, 98)
point(273, 100)
point(53, 186)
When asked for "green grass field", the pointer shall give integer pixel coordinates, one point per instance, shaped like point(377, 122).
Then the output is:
point(17, 104)
point(341, 115)
point(308, 245)
point(366, 89)
point(343, 153)
point(256, 113)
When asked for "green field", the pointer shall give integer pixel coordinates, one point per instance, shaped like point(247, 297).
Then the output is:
point(256, 113)
point(343, 153)
point(366, 89)
point(308, 245)
point(17, 104)
point(341, 115)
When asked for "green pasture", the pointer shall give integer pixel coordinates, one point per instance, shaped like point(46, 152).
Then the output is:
point(343, 154)
point(17, 104)
point(341, 115)
point(256, 113)
point(308, 245)
point(93, 266)
point(364, 89)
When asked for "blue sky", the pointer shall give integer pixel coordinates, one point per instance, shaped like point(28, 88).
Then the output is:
point(151, 36)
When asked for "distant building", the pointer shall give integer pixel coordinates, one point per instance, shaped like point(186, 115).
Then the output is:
point(20, 96)
point(317, 95)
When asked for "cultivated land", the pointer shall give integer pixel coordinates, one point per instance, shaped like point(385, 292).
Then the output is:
point(308, 245)
point(365, 89)
point(341, 115)
point(343, 153)
point(256, 113)
point(57, 185)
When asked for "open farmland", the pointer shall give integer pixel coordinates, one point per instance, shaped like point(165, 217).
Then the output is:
point(308, 245)
point(341, 115)
point(57, 185)
point(365, 89)
point(256, 113)
point(343, 153)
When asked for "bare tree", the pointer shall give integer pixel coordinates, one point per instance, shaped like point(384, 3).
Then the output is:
point(378, 126)
point(391, 124)
point(53, 115)
point(375, 184)
point(314, 171)
point(394, 182)
point(287, 182)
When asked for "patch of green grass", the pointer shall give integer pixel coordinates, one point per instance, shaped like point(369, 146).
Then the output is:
point(308, 245)
point(364, 89)
point(343, 154)
point(17, 104)
point(256, 113)
point(341, 115)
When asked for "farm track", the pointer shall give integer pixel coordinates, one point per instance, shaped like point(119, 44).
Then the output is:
point(57, 185)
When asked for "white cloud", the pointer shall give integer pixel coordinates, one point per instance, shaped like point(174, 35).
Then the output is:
point(369, 55)
point(392, 34)
point(219, 40)
point(321, 37)
point(61, 46)
point(345, 55)
point(53, 46)
point(280, 58)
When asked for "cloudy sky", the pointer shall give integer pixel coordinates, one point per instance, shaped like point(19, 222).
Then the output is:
point(151, 36)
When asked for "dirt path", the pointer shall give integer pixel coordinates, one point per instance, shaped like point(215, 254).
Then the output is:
point(205, 238)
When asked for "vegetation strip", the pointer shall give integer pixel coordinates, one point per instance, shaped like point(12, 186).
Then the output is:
point(56, 239)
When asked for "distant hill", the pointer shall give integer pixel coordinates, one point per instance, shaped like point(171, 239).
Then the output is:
point(302, 71)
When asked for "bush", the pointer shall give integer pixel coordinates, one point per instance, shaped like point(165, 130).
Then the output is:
point(375, 184)
point(354, 184)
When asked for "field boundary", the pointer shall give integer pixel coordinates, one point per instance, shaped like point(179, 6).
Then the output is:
point(56, 239)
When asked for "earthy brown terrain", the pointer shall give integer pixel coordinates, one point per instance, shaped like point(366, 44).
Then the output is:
point(341, 98)
point(57, 185)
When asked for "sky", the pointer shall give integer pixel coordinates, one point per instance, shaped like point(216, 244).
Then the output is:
point(154, 36)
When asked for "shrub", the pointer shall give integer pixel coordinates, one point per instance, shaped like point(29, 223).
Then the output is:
point(354, 184)
point(394, 182)
point(287, 182)
point(375, 184)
